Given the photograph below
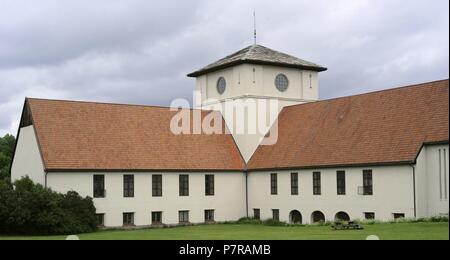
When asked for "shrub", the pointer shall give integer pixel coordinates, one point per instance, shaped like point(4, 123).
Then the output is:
point(30, 209)
point(439, 219)
point(274, 223)
point(323, 223)
point(249, 221)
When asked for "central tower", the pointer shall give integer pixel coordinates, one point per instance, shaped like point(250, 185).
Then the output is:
point(254, 80)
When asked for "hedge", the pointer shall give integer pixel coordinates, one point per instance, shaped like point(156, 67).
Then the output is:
point(30, 209)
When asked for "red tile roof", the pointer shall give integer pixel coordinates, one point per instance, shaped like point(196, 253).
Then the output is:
point(386, 127)
point(94, 136)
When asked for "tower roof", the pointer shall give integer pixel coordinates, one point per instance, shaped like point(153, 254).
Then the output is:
point(257, 54)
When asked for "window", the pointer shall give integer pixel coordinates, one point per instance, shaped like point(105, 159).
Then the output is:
point(157, 218)
point(209, 185)
point(294, 183)
point(367, 183)
point(184, 185)
point(443, 172)
point(221, 85)
point(128, 219)
point(273, 184)
point(276, 214)
point(183, 216)
point(100, 219)
point(369, 215)
point(317, 186)
point(157, 185)
point(399, 215)
point(209, 215)
point(257, 214)
point(128, 186)
point(99, 186)
point(340, 176)
point(281, 82)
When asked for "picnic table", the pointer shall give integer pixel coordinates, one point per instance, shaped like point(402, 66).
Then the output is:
point(350, 225)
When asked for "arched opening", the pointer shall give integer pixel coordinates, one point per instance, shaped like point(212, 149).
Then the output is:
point(317, 217)
point(342, 216)
point(295, 217)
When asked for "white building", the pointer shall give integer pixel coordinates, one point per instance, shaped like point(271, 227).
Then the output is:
point(381, 155)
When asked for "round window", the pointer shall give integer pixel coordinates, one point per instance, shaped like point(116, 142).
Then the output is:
point(221, 85)
point(281, 82)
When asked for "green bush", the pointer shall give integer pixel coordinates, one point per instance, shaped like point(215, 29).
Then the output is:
point(323, 223)
point(249, 221)
point(30, 209)
point(439, 219)
point(274, 223)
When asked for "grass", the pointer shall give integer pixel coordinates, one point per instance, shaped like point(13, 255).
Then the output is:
point(388, 231)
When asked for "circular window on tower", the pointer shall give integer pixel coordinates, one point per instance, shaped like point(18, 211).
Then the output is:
point(221, 85)
point(281, 82)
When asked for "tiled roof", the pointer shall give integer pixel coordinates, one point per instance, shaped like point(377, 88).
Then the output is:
point(385, 127)
point(83, 136)
point(257, 54)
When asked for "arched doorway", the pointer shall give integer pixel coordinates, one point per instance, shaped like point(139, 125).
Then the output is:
point(342, 216)
point(317, 217)
point(295, 217)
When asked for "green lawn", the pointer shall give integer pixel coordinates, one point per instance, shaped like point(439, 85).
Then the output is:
point(398, 231)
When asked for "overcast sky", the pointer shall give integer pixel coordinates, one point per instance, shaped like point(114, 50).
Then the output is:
point(140, 51)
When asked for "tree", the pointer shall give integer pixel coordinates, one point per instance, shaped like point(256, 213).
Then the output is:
point(6, 152)
point(7, 145)
point(30, 209)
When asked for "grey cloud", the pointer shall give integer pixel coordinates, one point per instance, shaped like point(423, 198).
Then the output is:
point(140, 51)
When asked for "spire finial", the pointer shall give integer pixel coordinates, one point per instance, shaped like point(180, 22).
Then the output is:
point(254, 25)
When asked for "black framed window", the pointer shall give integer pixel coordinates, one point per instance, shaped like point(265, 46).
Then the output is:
point(156, 218)
point(399, 215)
point(128, 219)
point(183, 216)
point(273, 184)
point(184, 185)
point(128, 186)
point(340, 179)
point(209, 185)
point(100, 219)
point(276, 214)
point(209, 215)
point(317, 183)
point(99, 186)
point(294, 183)
point(157, 185)
point(257, 214)
point(367, 182)
point(369, 215)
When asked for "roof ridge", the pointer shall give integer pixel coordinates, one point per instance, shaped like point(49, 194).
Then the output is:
point(111, 103)
point(247, 53)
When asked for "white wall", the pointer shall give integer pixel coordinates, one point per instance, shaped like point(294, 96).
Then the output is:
point(27, 160)
point(432, 172)
point(259, 81)
point(393, 193)
point(393, 190)
point(228, 201)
